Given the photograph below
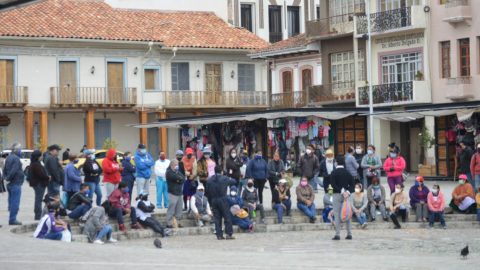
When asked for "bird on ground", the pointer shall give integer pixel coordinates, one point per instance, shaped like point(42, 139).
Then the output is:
point(157, 243)
point(464, 252)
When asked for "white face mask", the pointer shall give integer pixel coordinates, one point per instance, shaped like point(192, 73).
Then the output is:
point(233, 193)
point(357, 190)
point(358, 151)
point(207, 156)
point(309, 151)
point(330, 159)
point(398, 190)
point(234, 155)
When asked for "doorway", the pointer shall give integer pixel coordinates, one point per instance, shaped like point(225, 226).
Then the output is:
point(116, 82)
point(102, 132)
point(153, 141)
point(415, 149)
point(213, 83)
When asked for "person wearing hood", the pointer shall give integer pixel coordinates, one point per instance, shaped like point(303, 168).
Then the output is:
point(281, 201)
point(257, 169)
point(200, 207)
point(276, 171)
point(250, 197)
point(394, 166)
point(217, 188)
point(306, 199)
point(54, 169)
point(92, 171)
point(161, 166)
point(79, 204)
point(463, 197)
point(73, 178)
point(97, 225)
point(15, 178)
point(436, 205)
point(327, 166)
point(38, 178)
point(144, 210)
point(143, 164)
point(206, 166)
point(418, 199)
point(190, 167)
point(121, 206)
point(111, 172)
point(236, 201)
point(234, 163)
point(175, 180)
point(309, 166)
point(128, 172)
point(475, 169)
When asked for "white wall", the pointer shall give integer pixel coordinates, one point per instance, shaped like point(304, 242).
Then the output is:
point(39, 73)
point(295, 65)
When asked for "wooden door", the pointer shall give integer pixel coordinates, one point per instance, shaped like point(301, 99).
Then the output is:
point(213, 79)
point(414, 149)
point(67, 79)
point(287, 99)
point(115, 82)
point(7, 93)
point(306, 79)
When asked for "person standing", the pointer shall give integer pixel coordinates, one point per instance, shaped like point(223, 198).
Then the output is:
point(92, 171)
point(143, 164)
point(343, 185)
point(394, 166)
point(83, 149)
point(371, 165)
point(233, 166)
point(327, 166)
point(128, 172)
point(258, 170)
point(475, 169)
point(205, 167)
point(351, 164)
point(190, 167)
point(358, 158)
point(276, 171)
point(111, 172)
point(319, 155)
point(38, 179)
point(54, 169)
point(175, 180)
point(309, 166)
point(66, 154)
point(466, 159)
point(282, 146)
point(217, 188)
point(15, 177)
point(73, 179)
point(161, 166)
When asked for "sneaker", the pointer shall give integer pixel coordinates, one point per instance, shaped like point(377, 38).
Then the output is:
point(349, 237)
point(122, 228)
point(365, 225)
point(264, 222)
point(81, 223)
point(111, 240)
point(166, 232)
point(430, 227)
point(249, 231)
point(444, 227)
point(215, 232)
point(312, 220)
point(98, 242)
point(159, 207)
point(199, 223)
point(280, 222)
point(385, 219)
point(16, 222)
point(373, 220)
point(221, 238)
point(136, 227)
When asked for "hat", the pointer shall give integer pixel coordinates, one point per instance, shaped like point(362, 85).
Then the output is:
point(142, 146)
point(179, 152)
point(314, 142)
point(54, 147)
point(235, 209)
point(207, 150)
point(200, 187)
point(89, 151)
point(419, 178)
point(143, 192)
point(282, 181)
point(189, 151)
point(463, 176)
point(329, 152)
point(245, 151)
point(330, 187)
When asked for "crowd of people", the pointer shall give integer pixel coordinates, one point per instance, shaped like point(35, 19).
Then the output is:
point(210, 193)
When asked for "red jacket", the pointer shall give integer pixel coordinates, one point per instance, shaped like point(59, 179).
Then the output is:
point(119, 199)
point(475, 165)
point(399, 166)
point(111, 174)
point(438, 205)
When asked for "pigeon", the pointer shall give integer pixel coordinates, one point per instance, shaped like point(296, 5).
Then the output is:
point(157, 243)
point(464, 252)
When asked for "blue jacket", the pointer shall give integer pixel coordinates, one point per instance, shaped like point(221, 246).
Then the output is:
point(129, 170)
point(13, 170)
point(257, 169)
point(235, 200)
point(73, 179)
point(143, 166)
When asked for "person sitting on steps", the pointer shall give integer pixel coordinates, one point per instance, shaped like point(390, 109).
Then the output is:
point(121, 205)
point(200, 208)
point(398, 205)
point(250, 197)
point(144, 214)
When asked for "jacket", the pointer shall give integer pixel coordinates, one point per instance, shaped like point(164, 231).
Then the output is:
point(38, 174)
point(77, 199)
point(161, 168)
point(403, 200)
point(200, 205)
point(92, 171)
point(351, 164)
point(54, 168)
point(414, 195)
point(399, 166)
point(438, 205)
point(233, 167)
point(323, 168)
point(358, 159)
point(319, 155)
point(342, 179)
point(218, 184)
point(308, 166)
point(466, 159)
point(327, 202)
point(249, 196)
point(119, 199)
point(202, 169)
point(128, 171)
point(110, 168)
point(143, 164)
point(279, 197)
point(370, 194)
point(175, 182)
point(13, 170)
point(273, 173)
point(45, 226)
point(65, 155)
point(365, 165)
point(465, 190)
point(73, 178)
point(95, 220)
point(305, 193)
point(144, 209)
point(475, 165)
point(234, 200)
point(257, 169)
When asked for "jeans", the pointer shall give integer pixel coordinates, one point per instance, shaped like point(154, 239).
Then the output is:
point(440, 216)
point(310, 211)
point(312, 183)
point(373, 210)
point(279, 208)
point(109, 188)
point(14, 195)
point(243, 223)
point(153, 224)
point(39, 193)
point(106, 229)
point(242, 184)
point(162, 192)
point(393, 181)
point(57, 236)
point(477, 183)
point(53, 187)
point(79, 211)
point(130, 187)
point(94, 187)
point(318, 181)
point(142, 184)
point(119, 212)
point(362, 218)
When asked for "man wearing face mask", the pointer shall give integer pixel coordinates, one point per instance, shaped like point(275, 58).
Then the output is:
point(358, 155)
point(15, 178)
point(175, 180)
point(128, 174)
point(475, 169)
point(161, 166)
point(144, 210)
point(73, 178)
point(92, 171)
point(143, 163)
point(327, 166)
point(79, 204)
point(309, 166)
point(54, 168)
point(200, 207)
point(121, 206)
point(343, 185)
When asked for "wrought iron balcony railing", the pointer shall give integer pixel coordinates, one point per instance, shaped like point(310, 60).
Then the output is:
point(330, 92)
point(93, 96)
point(387, 93)
point(12, 95)
point(456, 3)
point(188, 99)
point(297, 99)
point(386, 20)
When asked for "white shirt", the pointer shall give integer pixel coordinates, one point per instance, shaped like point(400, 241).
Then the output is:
point(161, 167)
point(329, 166)
point(194, 208)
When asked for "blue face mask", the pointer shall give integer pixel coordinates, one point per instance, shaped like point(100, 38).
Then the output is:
point(177, 168)
point(284, 185)
point(417, 184)
point(127, 190)
point(87, 192)
point(75, 161)
point(376, 187)
point(250, 184)
point(19, 152)
point(92, 157)
point(128, 159)
point(143, 151)
point(258, 156)
point(370, 152)
point(434, 191)
point(200, 194)
point(392, 155)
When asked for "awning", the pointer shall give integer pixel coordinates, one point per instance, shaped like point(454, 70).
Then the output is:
point(402, 116)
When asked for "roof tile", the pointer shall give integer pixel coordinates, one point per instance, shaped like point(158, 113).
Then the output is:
point(293, 42)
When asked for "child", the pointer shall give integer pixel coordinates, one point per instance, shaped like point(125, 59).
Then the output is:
point(47, 228)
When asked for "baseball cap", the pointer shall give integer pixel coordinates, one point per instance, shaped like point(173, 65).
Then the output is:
point(143, 192)
point(463, 176)
point(179, 152)
point(200, 187)
point(142, 146)
point(189, 151)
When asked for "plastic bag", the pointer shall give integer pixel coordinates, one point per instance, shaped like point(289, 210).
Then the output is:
point(66, 236)
point(65, 198)
point(346, 211)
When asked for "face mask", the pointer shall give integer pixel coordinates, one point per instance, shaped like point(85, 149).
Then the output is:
point(357, 190)
point(309, 151)
point(179, 158)
point(143, 151)
point(234, 155)
point(434, 191)
point(370, 152)
point(250, 184)
point(284, 185)
point(398, 190)
point(145, 198)
point(20, 152)
point(417, 184)
point(233, 193)
point(162, 157)
point(200, 194)
point(329, 159)
point(258, 156)
point(126, 190)
point(358, 151)
point(330, 192)
point(87, 192)
point(207, 156)
point(460, 182)
point(176, 168)
point(392, 155)
point(92, 157)
point(189, 156)
point(376, 187)
point(304, 183)
point(75, 161)
point(128, 159)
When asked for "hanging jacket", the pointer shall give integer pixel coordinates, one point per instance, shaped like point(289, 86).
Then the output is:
point(110, 168)
point(466, 159)
point(475, 165)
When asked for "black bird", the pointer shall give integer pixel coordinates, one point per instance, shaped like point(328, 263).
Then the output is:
point(158, 243)
point(464, 252)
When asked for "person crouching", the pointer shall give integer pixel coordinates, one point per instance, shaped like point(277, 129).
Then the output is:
point(144, 214)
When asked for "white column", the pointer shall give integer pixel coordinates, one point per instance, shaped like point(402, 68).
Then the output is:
point(382, 136)
point(318, 71)
point(430, 123)
point(296, 79)
point(274, 80)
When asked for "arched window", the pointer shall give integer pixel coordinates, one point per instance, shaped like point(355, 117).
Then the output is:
point(287, 81)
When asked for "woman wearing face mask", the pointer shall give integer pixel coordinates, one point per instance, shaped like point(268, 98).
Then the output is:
point(463, 197)
point(38, 179)
point(418, 199)
point(92, 171)
point(358, 155)
point(376, 199)
point(394, 166)
point(371, 165)
point(128, 172)
point(306, 198)
point(399, 205)
point(475, 169)
point(250, 198)
point(73, 179)
point(359, 203)
point(190, 166)
point(144, 210)
point(281, 200)
point(235, 199)
point(206, 166)
point(276, 170)
point(258, 170)
point(234, 163)
point(436, 205)
point(327, 204)
point(351, 164)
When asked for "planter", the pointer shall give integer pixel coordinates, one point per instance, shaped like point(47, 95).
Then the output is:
point(348, 96)
point(341, 97)
point(334, 32)
point(329, 98)
point(405, 98)
point(315, 99)
point(336, 97)
point(395, 99)
point(323, 99)
point(353, 95)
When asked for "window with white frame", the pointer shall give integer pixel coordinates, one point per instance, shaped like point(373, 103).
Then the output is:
point(246, 77)
point(180, 76)
point(293, 21)
point(396, 4)
point(400, 68)
point(343, 69)
point(152, 77)
point(343, 7)
point(246, 16)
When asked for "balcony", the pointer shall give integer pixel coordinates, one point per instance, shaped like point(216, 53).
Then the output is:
point(335, 26)
point(215, 99)
point(297, 99)
point(458, 11)
point(93, 97)
point(332, 93)
point(14, 96)
point(407, 18)
point(395, 94)
point(459, 88)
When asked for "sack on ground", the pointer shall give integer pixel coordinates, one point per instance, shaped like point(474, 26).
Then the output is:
point(66, 236)
point(174, 223)
point(346, 211)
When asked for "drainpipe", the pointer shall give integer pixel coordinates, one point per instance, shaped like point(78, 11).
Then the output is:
point(369, 67)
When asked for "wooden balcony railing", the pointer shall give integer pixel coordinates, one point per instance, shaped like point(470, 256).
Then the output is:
point(344, 91)
point(93, 96)
point(198, 99)
point(297, 99)
point(13, 95)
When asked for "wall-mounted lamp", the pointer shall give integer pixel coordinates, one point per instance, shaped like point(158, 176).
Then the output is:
point(104, 114)
point(198, 73)
point(54, 114)
point(135, 70)
point(92, 69)
point(232, 74)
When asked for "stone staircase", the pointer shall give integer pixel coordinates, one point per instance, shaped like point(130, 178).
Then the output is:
point(298, 221)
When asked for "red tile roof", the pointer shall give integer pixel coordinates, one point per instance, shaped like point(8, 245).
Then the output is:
point(293, 42)
point(99, 21)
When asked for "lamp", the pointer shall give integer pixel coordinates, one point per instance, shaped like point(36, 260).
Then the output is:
point(104, 114)
point(135, 70)
point(54, 114)
point(92, 69)
point(198, 73)
point(232, 74)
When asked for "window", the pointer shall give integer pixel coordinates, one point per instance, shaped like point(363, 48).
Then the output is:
point(275, 23)
point(401, 67)
point(306, 78)
point(246, 17)
point(180, 76)
point(318, 12)
point(246, 77)
point(287, 82)
point(396, 4)
point(445, 59)
point(343, 69)
point(293, 14)
point(67, 72)
point(152, 79)
point(7, 72)
point(464, 57)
